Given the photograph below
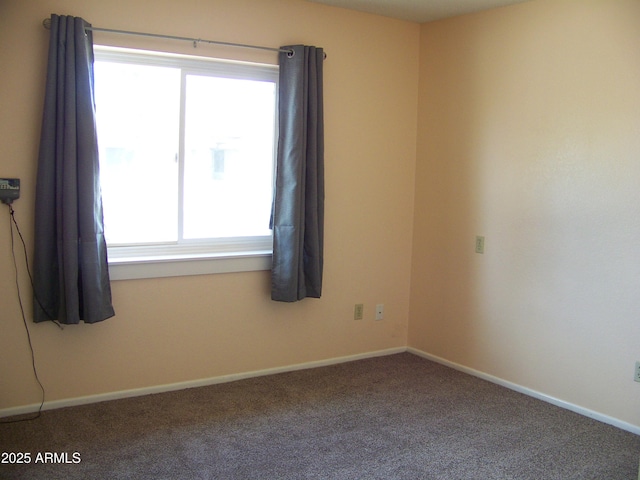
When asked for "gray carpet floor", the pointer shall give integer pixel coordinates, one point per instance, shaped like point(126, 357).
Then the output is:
point(394, 417)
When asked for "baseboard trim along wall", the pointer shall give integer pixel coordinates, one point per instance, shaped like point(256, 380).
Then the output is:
point(138, 392)
point(532, 393)
point(71, 402)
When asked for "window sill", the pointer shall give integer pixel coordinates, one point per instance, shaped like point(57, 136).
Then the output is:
point(182, 265)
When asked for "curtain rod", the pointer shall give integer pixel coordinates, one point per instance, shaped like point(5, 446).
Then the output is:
point(47, 24)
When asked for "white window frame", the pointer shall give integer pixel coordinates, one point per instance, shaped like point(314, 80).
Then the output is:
point(196, 257)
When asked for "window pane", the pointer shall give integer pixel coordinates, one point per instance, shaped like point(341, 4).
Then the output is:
point(138, 115)
point(229, 125)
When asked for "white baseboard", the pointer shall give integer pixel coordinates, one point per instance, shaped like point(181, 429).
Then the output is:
point(137, 392)
point(71, 402)
point(532, 393)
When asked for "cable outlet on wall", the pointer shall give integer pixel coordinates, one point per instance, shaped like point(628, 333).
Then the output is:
point(636, 375)
point(9, 190)
point(379, 311)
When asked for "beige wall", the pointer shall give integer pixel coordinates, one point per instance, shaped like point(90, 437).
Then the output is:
point(182, 329)
point(529, 134)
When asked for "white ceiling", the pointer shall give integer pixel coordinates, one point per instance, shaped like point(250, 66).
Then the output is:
point(419, 11)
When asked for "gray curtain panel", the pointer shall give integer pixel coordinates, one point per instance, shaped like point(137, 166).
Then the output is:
point(71, 276)
point(298, 210)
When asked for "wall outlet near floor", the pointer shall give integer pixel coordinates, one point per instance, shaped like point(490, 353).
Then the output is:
point(379, 311)
point(636, 376)
point(358, 311)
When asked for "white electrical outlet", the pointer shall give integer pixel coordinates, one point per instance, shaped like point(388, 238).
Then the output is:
point(636, 376)
point(358, 311)
point(379, 311)
point(479, 244)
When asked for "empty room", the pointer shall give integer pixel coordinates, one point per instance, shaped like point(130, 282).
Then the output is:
point(456, 298)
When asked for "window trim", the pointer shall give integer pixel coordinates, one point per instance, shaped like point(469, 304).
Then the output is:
point(199, 257)
point(158, 267)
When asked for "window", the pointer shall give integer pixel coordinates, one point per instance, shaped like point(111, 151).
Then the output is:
point(187, 160)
